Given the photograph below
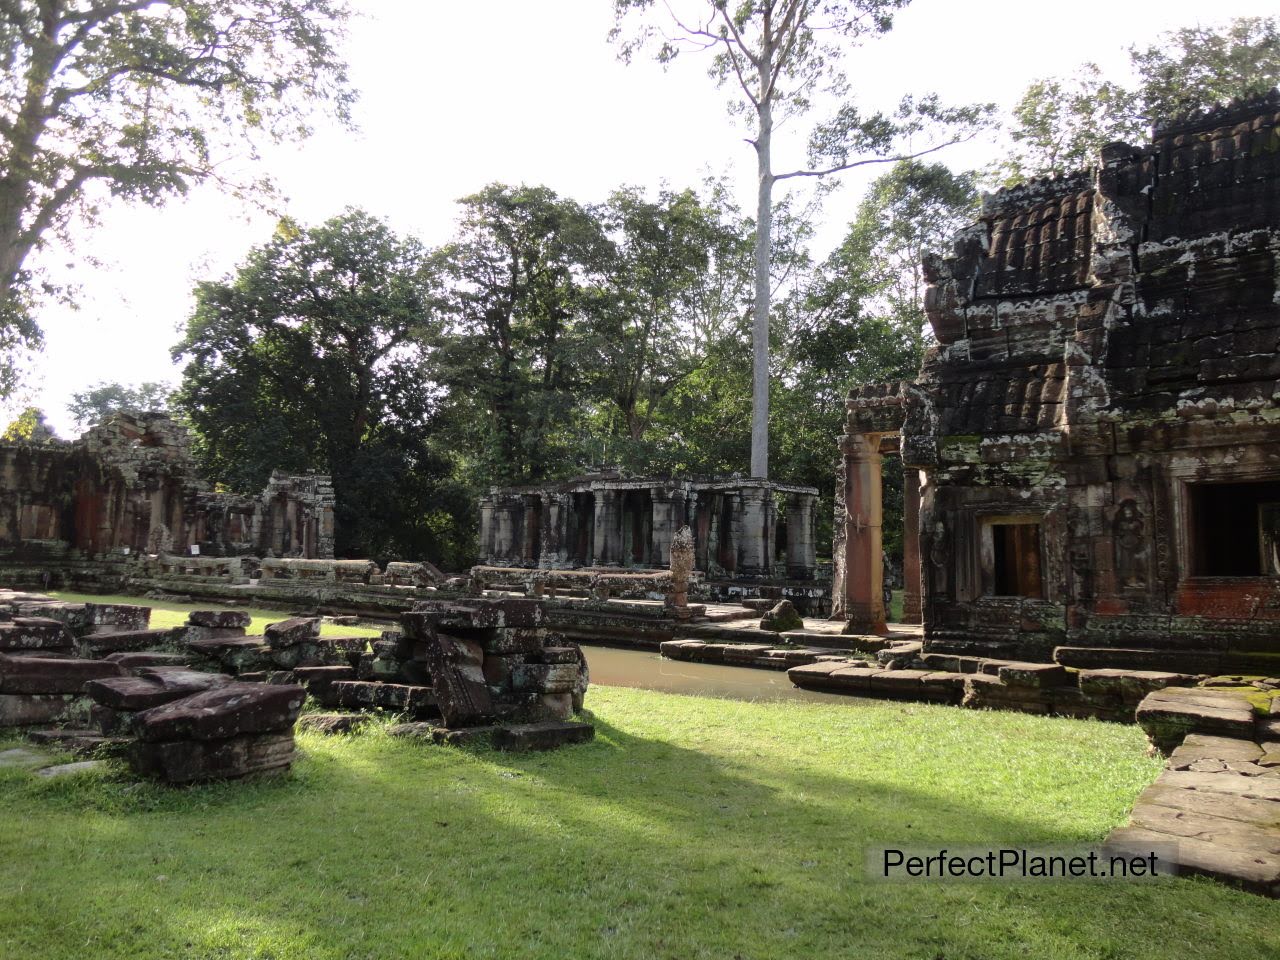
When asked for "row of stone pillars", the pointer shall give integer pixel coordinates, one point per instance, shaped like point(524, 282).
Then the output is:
point(858, 584)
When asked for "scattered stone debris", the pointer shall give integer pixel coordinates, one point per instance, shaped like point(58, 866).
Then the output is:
point(782, 618)
point(333, 724)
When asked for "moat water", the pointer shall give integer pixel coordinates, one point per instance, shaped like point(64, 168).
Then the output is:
point(646, 670)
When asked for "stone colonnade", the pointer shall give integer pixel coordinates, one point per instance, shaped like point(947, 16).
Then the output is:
point(743, 528)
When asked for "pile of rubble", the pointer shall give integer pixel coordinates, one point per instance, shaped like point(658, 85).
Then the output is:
point(205, 701)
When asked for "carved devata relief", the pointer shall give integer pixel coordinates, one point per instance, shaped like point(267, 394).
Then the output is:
point(1129, 531)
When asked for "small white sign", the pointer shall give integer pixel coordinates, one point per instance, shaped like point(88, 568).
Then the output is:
point(195, 549)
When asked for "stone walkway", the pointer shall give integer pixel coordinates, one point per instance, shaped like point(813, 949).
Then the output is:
point(1218, 800)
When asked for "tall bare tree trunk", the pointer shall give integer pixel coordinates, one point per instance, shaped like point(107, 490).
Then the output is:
point(760, 321)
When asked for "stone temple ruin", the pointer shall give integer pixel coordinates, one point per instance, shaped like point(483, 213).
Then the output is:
point(745, 531)
point(130, 487)
point(1093, 445)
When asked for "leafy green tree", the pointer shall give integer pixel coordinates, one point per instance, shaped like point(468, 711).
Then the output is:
point(777, 56)
point(1059, 125)
point(677, 283)
point(29, 427)
point(139, 99)
point(318, 354)
point(861, 319)
point(522, 270)
point(99, 401)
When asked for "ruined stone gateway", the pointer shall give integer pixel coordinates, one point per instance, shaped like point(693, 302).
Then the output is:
point(1093, 445)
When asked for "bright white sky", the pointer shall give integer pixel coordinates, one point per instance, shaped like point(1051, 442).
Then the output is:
point(457, 95)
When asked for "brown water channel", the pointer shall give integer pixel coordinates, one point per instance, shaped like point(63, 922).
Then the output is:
point(647, 670)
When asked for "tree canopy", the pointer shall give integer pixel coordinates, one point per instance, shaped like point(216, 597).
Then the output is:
point(1060, 124)
point(96, 403)
point(139, 100)
point(316, 355)
point(777, 56)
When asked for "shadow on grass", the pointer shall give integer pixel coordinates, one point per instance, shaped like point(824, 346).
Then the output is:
point(633, 845)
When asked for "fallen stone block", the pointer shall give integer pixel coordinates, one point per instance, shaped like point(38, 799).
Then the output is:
point(332, 724)
point(541, 736)
point(182, 762)
point(288, 633)
point(132, 661)
point(52, 675)
point(152, 688)
point(1129, 685)
point(1033, 674)
point(457, 678)
point(35, 633)
point(419, 730)
point(31, 709)
point(222, 713)
point(485, 613)
point(101, 644)
point(401, 698)
point(219, 619)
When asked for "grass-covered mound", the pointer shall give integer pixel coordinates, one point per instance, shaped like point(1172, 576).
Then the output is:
point(690, 828)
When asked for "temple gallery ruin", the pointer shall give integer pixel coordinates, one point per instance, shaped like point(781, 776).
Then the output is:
point(1091, 455)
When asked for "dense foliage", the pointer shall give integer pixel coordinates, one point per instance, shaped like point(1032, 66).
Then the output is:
point(94, 404)
point(141, 99)
point(1060, 124)
point(548, 337)
point(319, 355)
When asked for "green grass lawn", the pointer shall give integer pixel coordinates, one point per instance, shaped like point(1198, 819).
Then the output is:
point(166, 614)
point(691, 828)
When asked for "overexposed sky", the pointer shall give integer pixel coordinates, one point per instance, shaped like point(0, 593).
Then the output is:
point(458, 95)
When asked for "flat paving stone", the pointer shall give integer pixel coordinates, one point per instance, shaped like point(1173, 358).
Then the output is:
point(23, 757)
point(1201, 746)
point(1222, 814)
point(71, 769)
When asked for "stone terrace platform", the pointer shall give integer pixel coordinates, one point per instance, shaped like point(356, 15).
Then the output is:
point(1218, 800)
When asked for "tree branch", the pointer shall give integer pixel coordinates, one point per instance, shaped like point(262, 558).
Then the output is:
point(870, 160)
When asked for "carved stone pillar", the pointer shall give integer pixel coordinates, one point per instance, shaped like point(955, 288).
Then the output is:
point(486, 529)
point(668, 518)
point(608, 533)
point(861, 555)
point(801, 552)
point(756, 535)
point(911, 546)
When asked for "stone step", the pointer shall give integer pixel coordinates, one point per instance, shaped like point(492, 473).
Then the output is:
point(719, 633)
point(827, 641)
point(1168, 715)
point(1135, 658)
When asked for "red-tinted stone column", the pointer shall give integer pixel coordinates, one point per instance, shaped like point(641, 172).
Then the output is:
point(862, 552)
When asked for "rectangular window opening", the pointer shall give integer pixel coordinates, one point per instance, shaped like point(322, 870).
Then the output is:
point(1235, 529)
